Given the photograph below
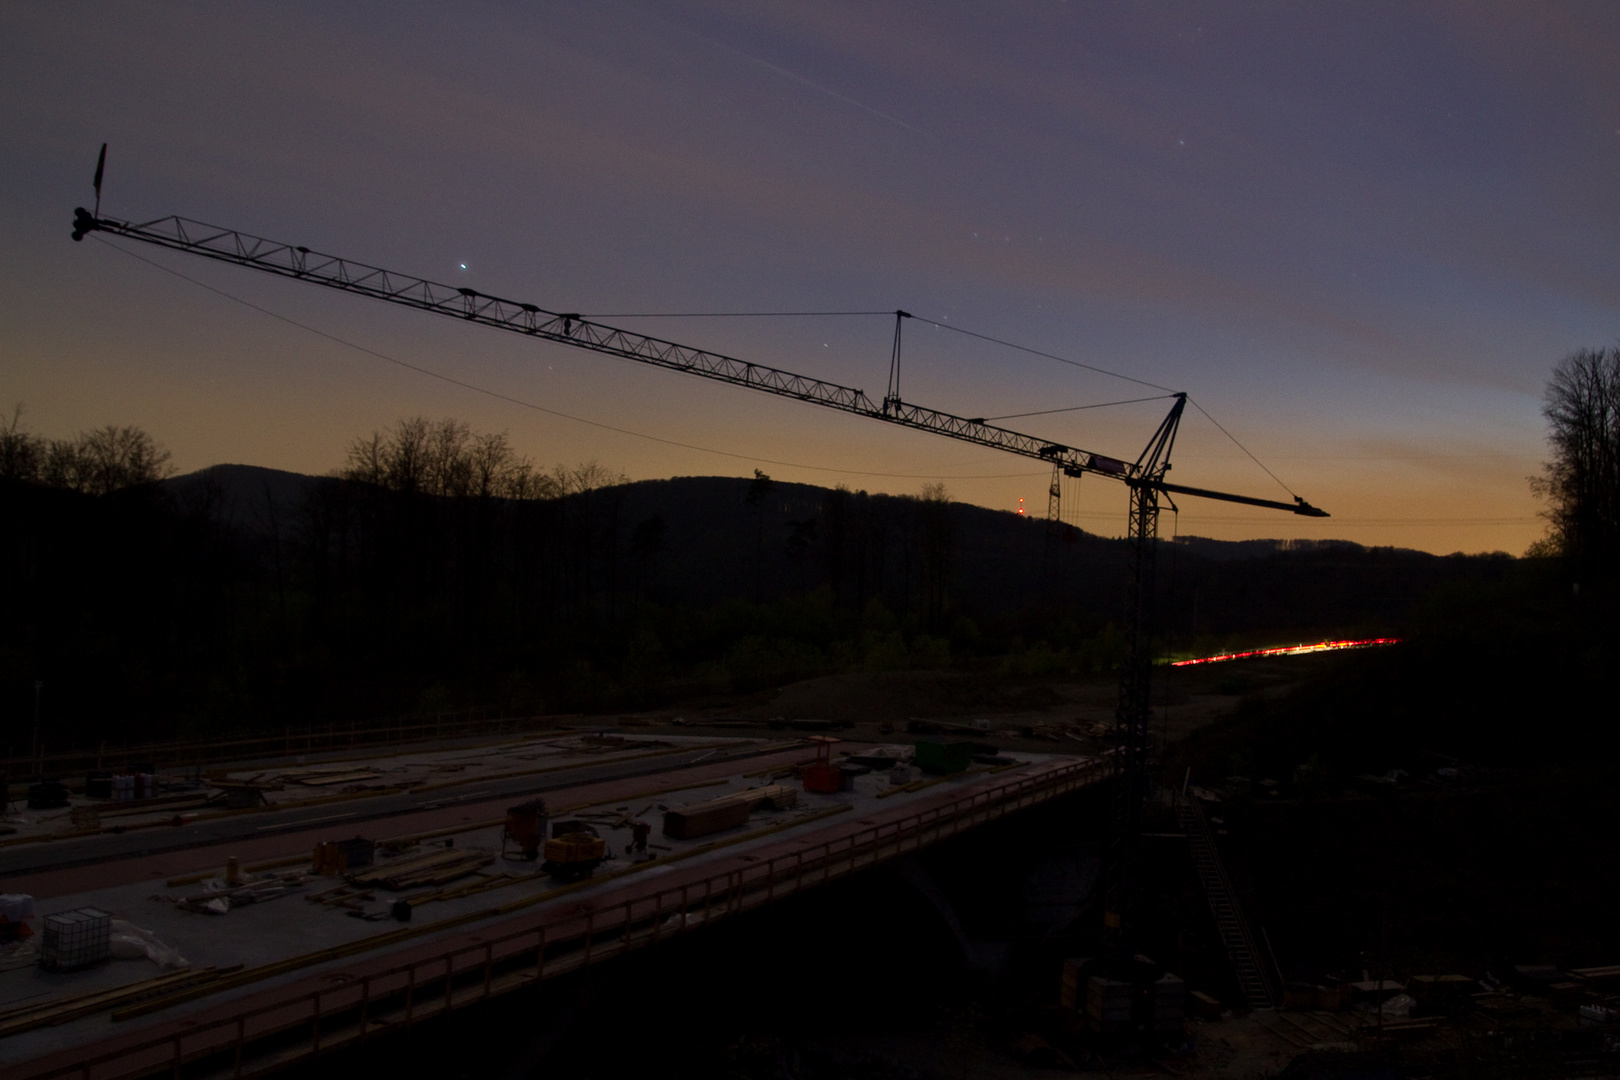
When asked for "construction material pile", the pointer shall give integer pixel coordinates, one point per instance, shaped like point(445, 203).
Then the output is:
point(728, 811)
point(433, 868)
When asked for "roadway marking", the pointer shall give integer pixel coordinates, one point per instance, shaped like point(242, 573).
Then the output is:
point(307, 821)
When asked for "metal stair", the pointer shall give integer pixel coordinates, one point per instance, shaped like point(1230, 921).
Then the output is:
point(1253, 977)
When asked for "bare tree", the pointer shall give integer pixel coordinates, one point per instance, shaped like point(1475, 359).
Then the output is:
point(584, 478)
point(446, 457)
point(407, 454)
point(937, 536)
point(95, 462)
point(22, 455)
point(493, 467)
point(124, 457)
point(758, 488)
point(448, 465)
point(368, 460)
point(1581, 484)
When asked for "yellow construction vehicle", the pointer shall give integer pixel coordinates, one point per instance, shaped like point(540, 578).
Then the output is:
point(573, 851)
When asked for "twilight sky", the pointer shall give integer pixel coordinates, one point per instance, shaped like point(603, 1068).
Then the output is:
point(1359, 235)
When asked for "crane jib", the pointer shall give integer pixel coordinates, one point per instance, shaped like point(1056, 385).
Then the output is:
point(1298, 506)
point(301, 263)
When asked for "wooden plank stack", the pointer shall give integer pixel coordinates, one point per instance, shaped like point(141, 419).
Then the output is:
point(326, 779)
point(435, 868)
point(1076, 969)
point(1599, 978)
point(1108, 1004)
point(61, 1010)
point(333, 858)
point(1169, 1003)
point(259, 889)
point(726, 812)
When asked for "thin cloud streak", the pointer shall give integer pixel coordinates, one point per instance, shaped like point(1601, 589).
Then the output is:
point(802, 81)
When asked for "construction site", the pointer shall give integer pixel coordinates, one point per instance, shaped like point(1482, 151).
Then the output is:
point(442, 763)
point(1039, 887)
point(324, 903)
point(294, 906)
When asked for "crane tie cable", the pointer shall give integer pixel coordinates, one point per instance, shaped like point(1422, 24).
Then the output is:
point(1046, 355)
point(1077, 408)
point(1243, 448)
point(730, 314)
point(430, 373)
point(840, 314)
point(746, 314)
point(981, 337)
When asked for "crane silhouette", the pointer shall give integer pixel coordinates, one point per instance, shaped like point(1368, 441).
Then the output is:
point(1143, 477)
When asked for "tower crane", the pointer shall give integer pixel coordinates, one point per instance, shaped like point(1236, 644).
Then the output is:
point(1144, 477)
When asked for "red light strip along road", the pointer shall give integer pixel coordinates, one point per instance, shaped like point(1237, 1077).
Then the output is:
point(1291, 650)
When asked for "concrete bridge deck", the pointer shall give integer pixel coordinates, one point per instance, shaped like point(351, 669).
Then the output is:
point(312, 979)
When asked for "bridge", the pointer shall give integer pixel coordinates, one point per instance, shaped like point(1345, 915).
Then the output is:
point(279, 981)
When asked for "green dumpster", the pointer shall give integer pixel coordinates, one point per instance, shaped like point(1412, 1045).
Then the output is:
point(942, 758)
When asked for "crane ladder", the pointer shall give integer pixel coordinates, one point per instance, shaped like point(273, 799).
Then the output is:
point(1252, 976)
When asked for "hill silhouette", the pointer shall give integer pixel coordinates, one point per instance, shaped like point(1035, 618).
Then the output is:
point(707, 547)
point(238, 597)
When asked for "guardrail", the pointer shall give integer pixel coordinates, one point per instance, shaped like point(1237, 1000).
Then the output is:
point(265, 1037)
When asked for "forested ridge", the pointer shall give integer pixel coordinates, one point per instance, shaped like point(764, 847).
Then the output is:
point(437, 570)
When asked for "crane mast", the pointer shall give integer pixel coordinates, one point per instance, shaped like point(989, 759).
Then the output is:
point(1144, 477)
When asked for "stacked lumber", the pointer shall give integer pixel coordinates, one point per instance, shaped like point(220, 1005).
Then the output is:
point(1076, 970)
point(148, 806)
point(437, 868)
point(1606, 977)
point(1108, 1004)
point(918, 725)
point(728, 811)
point(345, 896)
point(61, 1010)
point(252, 868)
point(354, 898)
point(770, 796)
point(915, 785)
point(482, 883)
point(325, 779)
point(257, 890)
point(262, 781)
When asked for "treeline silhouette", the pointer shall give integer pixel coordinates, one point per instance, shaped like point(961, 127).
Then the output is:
point(97, 462)
point(1447, 804)
point(1581, 481)
point(438, 569)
